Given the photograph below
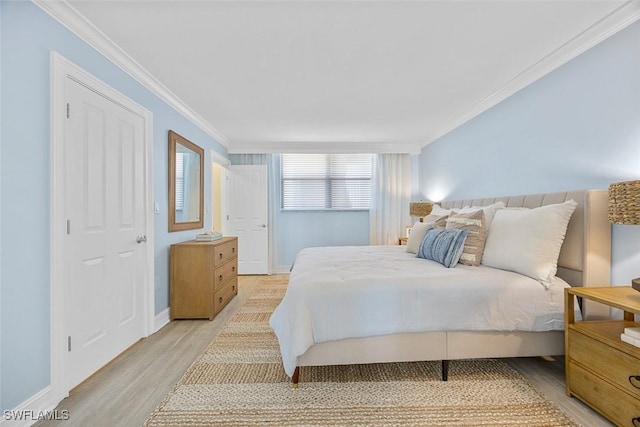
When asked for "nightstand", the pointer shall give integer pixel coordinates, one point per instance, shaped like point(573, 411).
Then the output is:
point(601, 369)
point(402, 240)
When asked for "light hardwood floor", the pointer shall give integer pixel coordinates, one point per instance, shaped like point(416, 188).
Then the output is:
point(127, 390)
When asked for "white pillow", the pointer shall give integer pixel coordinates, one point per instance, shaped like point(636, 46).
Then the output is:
point(528, 241)
point(419, 229)
point(438, 210)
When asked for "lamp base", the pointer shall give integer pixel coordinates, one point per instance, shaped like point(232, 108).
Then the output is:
point(635, 284)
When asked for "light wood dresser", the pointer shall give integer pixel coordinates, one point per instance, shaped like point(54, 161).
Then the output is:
point(602, 370)
point(203, 277)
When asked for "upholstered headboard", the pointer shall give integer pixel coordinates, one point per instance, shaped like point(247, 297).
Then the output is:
point(585, 257)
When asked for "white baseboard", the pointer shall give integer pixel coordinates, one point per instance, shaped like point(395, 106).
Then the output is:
point(281, 269)
point(161, 320)
point(40, 406)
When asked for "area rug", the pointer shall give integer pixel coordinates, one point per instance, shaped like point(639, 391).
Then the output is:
point(239, 381)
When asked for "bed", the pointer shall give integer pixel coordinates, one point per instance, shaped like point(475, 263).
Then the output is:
point(416, 310)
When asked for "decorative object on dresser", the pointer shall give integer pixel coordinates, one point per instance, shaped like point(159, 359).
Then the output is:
point(208, 236)
point(601, 369)
point(203, 277)
point(624, 208)
point(420, 209)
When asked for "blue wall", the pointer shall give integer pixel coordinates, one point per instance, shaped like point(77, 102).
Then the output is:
point(27, 37)
point(298, 230)
point(576, 128)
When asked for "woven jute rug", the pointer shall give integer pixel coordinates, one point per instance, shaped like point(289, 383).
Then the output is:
point(239, 380)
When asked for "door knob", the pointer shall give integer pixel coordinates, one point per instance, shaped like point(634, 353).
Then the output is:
point(141, 239)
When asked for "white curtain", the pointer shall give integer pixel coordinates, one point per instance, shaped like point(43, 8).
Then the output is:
point(272, 179)
point(390, 197)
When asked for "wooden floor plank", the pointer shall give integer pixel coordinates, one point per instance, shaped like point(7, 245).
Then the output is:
point(127, 390)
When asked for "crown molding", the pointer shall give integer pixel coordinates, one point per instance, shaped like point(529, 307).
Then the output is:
point(616, 21)
point(68, 16)
point(321, 147)
point(78, 24)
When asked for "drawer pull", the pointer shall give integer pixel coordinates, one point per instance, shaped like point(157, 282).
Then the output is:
point(221, 277)
point(233, 269)
point(635, 381)
point(220, 300)
point(635, 421)
point(233, 250)
point(220, 256)
point(233, 288)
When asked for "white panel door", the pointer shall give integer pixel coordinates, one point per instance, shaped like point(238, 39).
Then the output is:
point(248, 213)
point(105, 242)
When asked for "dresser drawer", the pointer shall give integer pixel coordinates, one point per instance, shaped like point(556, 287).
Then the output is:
point(225, 252)
point(619, 368)
point(223, 274)
point(222, 296)
point(193, 270)
point(607, 399)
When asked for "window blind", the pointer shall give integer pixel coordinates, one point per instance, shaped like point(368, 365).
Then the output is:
point(326, 181)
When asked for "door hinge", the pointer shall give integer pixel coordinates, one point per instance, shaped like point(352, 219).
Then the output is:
point(68, 110)
point(68, 226)
point(69, 343)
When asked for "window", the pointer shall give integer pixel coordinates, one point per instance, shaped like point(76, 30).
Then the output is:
point(326, 181)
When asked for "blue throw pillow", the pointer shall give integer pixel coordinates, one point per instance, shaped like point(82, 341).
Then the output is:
point(443, 246)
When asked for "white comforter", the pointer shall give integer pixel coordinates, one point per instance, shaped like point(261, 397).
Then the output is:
point(358, 291)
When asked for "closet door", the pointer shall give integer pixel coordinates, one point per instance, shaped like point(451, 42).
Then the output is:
point(105, 246)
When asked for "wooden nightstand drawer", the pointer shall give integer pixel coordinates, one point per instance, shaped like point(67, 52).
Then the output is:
point(600, 369)
point(225, 252)
point(616, 366)
point(222, 297)
point(607, 399)
point(223, 274)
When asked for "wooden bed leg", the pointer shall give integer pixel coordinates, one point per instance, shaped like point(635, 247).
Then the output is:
point(295, 377)
point(445, 370)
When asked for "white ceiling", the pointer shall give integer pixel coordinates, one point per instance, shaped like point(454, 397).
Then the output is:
point(276, 76)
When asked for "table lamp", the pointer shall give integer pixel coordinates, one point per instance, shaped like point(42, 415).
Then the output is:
point(624, 208)
point(420, 209)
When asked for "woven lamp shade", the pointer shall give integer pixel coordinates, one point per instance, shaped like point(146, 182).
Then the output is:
point(420, 209)
point(624, 202)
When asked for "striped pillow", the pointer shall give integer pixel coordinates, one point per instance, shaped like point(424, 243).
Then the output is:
point(474, 222)
point(443, 246)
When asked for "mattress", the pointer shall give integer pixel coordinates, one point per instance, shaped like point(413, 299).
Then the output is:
point(359, 291)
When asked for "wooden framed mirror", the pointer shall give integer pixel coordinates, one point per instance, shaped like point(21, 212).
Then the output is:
point(186, 184)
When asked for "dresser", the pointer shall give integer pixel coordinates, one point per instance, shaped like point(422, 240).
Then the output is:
point(203, 277)
point(602, 370)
